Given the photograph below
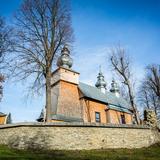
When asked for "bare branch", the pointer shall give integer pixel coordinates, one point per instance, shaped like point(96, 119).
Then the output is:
point(151, 87)
point(121, 65)
point(42, 28)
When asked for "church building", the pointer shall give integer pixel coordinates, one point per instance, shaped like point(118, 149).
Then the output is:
point(74, 101)
point(5, 118)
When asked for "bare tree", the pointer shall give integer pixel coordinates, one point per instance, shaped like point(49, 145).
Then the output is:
point(42, 28)
point(149, 92)
point(153, 78)
point(5, 47)
point(121, 65)
point(124, 92)
point(144, 96)
point(1, 87)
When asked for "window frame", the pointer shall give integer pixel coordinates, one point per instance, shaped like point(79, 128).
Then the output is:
point(98, 120)
point(123, 119)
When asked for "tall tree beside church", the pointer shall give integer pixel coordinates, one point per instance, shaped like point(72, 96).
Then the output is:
point(1, 87)
point(121, 64)
point(5, 47)
point(42, 28)
point(149, 92)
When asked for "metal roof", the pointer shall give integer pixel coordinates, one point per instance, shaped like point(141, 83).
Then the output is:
point(108, 98)
point(2, 114)
point(119, 108)
point(41, 117)
point(66, 118)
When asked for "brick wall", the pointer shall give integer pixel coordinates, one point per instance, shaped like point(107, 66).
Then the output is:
point(76, 136)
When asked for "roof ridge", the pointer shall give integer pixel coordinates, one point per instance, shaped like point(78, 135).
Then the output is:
point(102, 92)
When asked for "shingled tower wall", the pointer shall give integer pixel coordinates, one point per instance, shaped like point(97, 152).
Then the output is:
point(65, 94)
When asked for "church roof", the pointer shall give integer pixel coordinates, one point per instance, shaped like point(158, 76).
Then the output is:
point(2, 114)
point(41, 117)
point(116, 103)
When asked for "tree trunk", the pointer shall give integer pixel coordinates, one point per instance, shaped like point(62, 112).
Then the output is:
point(48, 95)
point(136, 114)
point(133, 104)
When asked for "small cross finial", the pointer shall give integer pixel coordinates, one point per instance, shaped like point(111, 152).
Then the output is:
point(65, 49)
point(100, 69)
point(113, 80)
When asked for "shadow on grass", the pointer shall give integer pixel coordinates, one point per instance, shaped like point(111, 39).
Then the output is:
point(150, 153)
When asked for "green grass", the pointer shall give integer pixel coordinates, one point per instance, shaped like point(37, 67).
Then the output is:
point(150, 153)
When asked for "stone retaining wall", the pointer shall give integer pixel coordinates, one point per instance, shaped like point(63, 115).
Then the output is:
point(71, 136)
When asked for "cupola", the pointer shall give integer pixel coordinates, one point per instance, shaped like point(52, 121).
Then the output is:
point(115, 88)
point(101, 83)
point(65, 60)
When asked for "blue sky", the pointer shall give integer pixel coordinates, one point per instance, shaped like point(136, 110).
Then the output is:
point(98, 25)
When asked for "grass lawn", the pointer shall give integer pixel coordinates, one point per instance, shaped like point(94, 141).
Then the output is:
point(150, 153)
